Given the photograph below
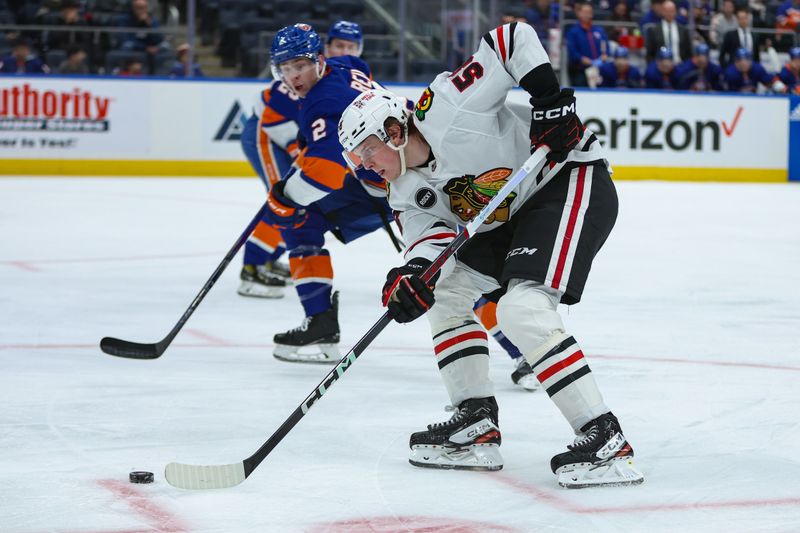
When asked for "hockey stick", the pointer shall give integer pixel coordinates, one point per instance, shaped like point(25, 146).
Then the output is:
point(186, 476)
point(136, 350)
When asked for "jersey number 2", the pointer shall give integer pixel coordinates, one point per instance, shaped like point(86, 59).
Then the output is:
point(466, 74)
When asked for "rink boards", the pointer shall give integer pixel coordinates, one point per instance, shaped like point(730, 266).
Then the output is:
point(159, 127)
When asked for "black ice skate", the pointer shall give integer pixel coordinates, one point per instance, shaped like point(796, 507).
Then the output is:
point(279, 270)
point(259, 281)
point(318, 333)
point(524, 377)
point(470, 440)
point(600, 456)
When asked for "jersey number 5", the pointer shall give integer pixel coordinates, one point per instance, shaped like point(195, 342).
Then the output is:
point(466, 74)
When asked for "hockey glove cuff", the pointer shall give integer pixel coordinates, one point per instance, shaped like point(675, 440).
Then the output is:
point(283, 212)
point(405, 294)
point(554, 124)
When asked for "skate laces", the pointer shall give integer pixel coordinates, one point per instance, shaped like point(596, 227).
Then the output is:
point(586, 441)
point(303, 326)
point(458, 414)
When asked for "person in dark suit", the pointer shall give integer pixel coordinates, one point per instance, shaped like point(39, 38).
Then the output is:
point(668, 33)
point(741, 37)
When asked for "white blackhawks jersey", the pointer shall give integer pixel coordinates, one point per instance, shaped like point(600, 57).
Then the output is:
point(477, 141)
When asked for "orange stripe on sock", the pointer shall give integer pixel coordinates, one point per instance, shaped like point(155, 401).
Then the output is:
point(268, 235)
point(314, 266)
point(487, 314)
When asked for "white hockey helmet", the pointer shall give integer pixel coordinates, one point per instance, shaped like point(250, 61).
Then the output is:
point(366, 116)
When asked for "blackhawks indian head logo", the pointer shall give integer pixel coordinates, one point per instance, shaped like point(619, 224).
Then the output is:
point(469, 194)
point(423, 104)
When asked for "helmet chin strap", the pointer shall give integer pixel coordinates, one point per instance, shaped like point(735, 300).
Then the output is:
point(401, 150)
point(402, 153)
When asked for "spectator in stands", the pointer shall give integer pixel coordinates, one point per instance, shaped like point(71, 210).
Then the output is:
point(139, 17)
point(744, 75)
point(543, 16)
point(669, 33)
point(741, 37)
point(587, 44)
point(619, 73)
point(788, 15)
point(703, 11)
point(133, 68)
point(21, 61)
point(699, 73)
point(722, 23)
point(758, 9)
point(69, 16)
point(660, 73)
point(790, 73)
point(181, 66)
point(75, 63)
point(653, 15)
point(620, 13)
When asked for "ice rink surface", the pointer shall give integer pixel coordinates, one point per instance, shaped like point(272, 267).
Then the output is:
point(690, 321)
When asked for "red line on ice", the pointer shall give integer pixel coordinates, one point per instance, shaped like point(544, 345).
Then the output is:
point(162, 519)
point(407, 349)
point(29, 263)
point(564, 504)
point(216, 341)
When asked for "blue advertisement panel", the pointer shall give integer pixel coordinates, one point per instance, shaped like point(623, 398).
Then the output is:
point(794, 138)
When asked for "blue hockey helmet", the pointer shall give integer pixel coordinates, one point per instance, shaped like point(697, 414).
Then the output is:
point(794, 53)
point(664, 53)
point(621, 52)
point(742, 53)
point(701, 49)
point(295, 41)
point(348, 31)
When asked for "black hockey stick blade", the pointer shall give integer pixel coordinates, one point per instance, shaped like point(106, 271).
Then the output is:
point(187, 476)
point(131, 350)
point(136, 350)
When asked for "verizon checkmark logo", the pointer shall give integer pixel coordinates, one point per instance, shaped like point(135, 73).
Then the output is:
point(728, 130)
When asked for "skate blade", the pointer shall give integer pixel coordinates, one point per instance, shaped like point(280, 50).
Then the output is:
point(482, 457)
point(328, 354)
point(256, 290)
point(529, 383)
point(616, 473)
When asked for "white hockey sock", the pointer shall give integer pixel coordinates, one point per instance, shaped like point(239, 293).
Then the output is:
point(564, 373)
point(462, 353)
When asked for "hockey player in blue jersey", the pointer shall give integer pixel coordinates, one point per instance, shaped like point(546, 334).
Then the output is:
point(744, 75)
point(790, 73)
point(320, 194)
point(269, 141)
point(619, 72)
point(699, 73)
point(660, 73)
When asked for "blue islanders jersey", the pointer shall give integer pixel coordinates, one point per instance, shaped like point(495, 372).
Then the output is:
point(790, 79)
point(613, 78)
point(321, 168)
point(747, 83)
point(693, 78)
point(655, 79)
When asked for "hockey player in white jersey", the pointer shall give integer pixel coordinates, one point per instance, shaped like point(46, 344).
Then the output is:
point(443, 164)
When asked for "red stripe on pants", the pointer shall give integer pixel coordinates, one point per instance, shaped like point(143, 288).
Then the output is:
point(573, 216)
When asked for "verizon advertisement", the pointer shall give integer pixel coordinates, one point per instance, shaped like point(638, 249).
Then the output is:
point(165, 127)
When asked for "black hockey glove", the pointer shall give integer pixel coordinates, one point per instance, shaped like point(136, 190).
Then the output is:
point(283, 212)
point(554, 124)
point(405, 294)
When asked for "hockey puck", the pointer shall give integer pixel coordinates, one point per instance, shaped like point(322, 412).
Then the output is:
point(141, 477)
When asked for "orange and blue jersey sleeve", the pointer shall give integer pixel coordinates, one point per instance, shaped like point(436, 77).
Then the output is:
point(321, 169)
point(277, 109)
